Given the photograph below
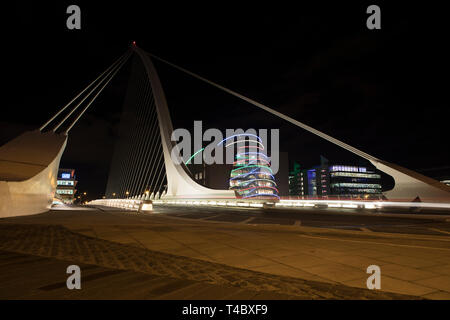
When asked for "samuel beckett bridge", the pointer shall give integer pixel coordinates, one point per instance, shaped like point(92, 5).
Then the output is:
point(142, 169)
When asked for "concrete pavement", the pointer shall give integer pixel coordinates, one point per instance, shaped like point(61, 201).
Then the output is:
point(42, 278)
point(417, 265)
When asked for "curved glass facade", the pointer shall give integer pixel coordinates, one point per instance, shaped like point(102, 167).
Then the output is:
point(251, 176)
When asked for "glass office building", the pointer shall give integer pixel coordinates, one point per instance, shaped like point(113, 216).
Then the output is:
point(66, 183)
point(337, 181)
point(354, 181)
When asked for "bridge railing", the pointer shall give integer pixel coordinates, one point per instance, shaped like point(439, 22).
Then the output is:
point(134, 204)
point(127, 204)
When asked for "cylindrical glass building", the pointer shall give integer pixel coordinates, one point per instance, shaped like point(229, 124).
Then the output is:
point(251, 176)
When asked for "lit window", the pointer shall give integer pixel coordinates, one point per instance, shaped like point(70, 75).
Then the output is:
point(65, 182)
point(64, 191)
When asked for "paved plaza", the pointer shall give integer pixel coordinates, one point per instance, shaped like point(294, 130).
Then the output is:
point(163, 255)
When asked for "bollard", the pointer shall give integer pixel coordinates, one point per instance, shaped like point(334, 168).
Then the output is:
point(268, 205)
point(146, 206)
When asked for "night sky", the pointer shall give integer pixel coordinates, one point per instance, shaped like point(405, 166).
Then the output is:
point(383, 91)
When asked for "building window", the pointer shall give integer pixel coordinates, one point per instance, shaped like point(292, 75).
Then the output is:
point(65, 183)
point(64, 191)
point(359, 175)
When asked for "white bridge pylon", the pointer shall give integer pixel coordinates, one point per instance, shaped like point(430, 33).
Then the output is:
point(408, 184)
point(179, 183)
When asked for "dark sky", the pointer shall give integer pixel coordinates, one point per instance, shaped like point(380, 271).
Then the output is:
point(383, 91)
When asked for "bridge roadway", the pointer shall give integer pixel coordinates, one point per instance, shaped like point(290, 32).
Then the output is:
point(221, 253)
point(392, 221)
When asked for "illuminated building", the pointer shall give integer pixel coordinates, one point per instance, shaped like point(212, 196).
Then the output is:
point(251, 176)
point(296, 180)
point(216, 176)
point(66, 183)
point(302, 183)
point(353, 181)
point(325, 181)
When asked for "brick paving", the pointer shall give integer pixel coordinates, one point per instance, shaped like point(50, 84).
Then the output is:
point(40, 241)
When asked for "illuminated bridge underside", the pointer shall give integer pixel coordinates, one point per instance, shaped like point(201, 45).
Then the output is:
point(410, 184)
point(28, 170)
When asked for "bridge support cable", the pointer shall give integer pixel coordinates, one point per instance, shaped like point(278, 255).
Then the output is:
point(274, 112)
point(106, 77)
point(156, 164)
point(138, 182)
point(153, 142)
point(84, 90)
point(148, 124)
point(138, 151)
point(163, 178)
point(97, 94)
point(150, 159)
point(134, 144)
point(160, 166)
point(142, 142)
point(123, 151)
point(151, 154)
point(123, 166)
point(154, 169)
point(160, 179)
point(142, 124)
point(139, 108)
point(147, 151)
